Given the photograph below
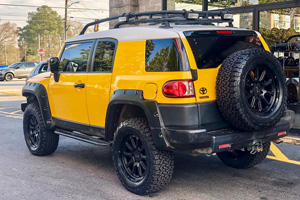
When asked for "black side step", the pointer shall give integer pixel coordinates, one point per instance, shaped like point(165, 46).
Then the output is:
point(83, 137)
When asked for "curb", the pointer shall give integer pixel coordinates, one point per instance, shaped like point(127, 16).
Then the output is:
point(291, 140)
point(11, 93)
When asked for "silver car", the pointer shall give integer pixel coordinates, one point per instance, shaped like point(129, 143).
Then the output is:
point(17, 70)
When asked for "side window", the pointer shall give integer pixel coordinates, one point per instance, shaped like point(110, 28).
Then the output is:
point(31, 65)
point(75, 57)
point(44, 68)
point(164, 55)
point(104, 56)
point(21, 65)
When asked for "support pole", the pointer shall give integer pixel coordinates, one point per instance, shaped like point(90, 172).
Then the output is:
point(40, 46)
point(66, 19)
point(255, 20)
point(164, 4)
point(204, 5)
point(5, 54)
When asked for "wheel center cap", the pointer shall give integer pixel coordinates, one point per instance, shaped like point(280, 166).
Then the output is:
point(137, 155)
point(257, 89)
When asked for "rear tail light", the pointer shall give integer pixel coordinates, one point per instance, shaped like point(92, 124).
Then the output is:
point(281, 133)
point(179, 89)
point(222, 146)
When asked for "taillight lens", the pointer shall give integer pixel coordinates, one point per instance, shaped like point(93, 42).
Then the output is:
point(179, 89)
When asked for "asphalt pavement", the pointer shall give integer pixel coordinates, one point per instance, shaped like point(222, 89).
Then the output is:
point(83, 171)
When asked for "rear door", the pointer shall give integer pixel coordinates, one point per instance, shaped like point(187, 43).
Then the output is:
point(208, 49)
point(99, 80)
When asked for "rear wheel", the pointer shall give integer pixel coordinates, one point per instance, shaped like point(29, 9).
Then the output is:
point(243, 159)
point(140, 166)
point(9, 77)
point(39, 141)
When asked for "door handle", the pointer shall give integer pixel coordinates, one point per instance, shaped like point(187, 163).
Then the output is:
point(80, 85)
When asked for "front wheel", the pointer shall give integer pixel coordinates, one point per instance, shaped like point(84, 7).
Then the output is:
point(243, 159)
point(9, 76)
point(140, 166)
point(39, 141)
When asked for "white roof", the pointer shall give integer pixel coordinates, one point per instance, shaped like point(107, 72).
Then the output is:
point(145, 32)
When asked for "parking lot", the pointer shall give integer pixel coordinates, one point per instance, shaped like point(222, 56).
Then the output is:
point(82, 171)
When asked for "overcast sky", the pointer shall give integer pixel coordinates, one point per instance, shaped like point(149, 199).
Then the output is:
point(19, 15)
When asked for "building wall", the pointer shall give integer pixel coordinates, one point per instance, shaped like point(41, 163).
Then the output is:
point(118, 7)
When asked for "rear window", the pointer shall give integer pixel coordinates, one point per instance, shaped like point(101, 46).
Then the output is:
point(210, 48)
point(165, 55)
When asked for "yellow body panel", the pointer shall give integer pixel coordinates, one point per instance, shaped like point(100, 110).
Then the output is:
point(206, 77)
point(97, 97)
point(66, 101)
point(265, 45)
point(130, 73)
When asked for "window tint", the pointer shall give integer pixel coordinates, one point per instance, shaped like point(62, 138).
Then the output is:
point(75, 57)
point(164, 55)
point(31, 64)
point(21, 65)
point(210, 48)
point(104, 56)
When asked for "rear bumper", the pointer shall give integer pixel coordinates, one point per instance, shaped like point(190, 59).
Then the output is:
point(229, 139)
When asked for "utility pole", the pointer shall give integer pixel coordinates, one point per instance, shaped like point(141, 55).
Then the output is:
point(5, 54)
point(40, 46)
point(66, 18)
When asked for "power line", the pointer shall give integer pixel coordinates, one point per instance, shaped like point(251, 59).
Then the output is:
point(45, 15)
point(33, 6)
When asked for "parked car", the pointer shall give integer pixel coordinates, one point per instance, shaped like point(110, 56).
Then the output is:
point(3, 66)
point(17, 70)
point(150, 91)
point(42, 67)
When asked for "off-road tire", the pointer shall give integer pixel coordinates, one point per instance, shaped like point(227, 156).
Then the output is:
point(8, 77)
point(159, 163)
point(231, 90)
point(48, 140)
point(246, 159)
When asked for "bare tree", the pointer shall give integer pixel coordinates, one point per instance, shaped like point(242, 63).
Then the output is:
point(8, 41)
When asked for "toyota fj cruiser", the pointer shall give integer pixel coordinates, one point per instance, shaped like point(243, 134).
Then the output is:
point(179, 84)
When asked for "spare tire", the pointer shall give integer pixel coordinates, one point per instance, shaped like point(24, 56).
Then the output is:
point(251, 91)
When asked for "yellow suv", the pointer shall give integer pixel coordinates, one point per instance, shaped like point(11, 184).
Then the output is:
point(179, 84)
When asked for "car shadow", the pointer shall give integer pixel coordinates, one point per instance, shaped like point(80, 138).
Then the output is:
point(192, 175)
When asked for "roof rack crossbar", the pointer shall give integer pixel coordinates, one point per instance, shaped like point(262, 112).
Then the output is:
point(166, 17)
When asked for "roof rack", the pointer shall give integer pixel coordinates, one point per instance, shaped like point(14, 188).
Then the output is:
point(165, 17)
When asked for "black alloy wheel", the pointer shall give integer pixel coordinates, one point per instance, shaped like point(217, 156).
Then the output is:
point(39, 140)
point(33, 132)
point(141, 167)
point(261, 90)
point(133, 158)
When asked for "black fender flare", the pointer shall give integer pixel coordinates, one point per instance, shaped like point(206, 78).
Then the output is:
point(38, 91)
point(150, 108)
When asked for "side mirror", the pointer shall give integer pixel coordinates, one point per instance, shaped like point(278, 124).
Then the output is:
point(53, 65)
